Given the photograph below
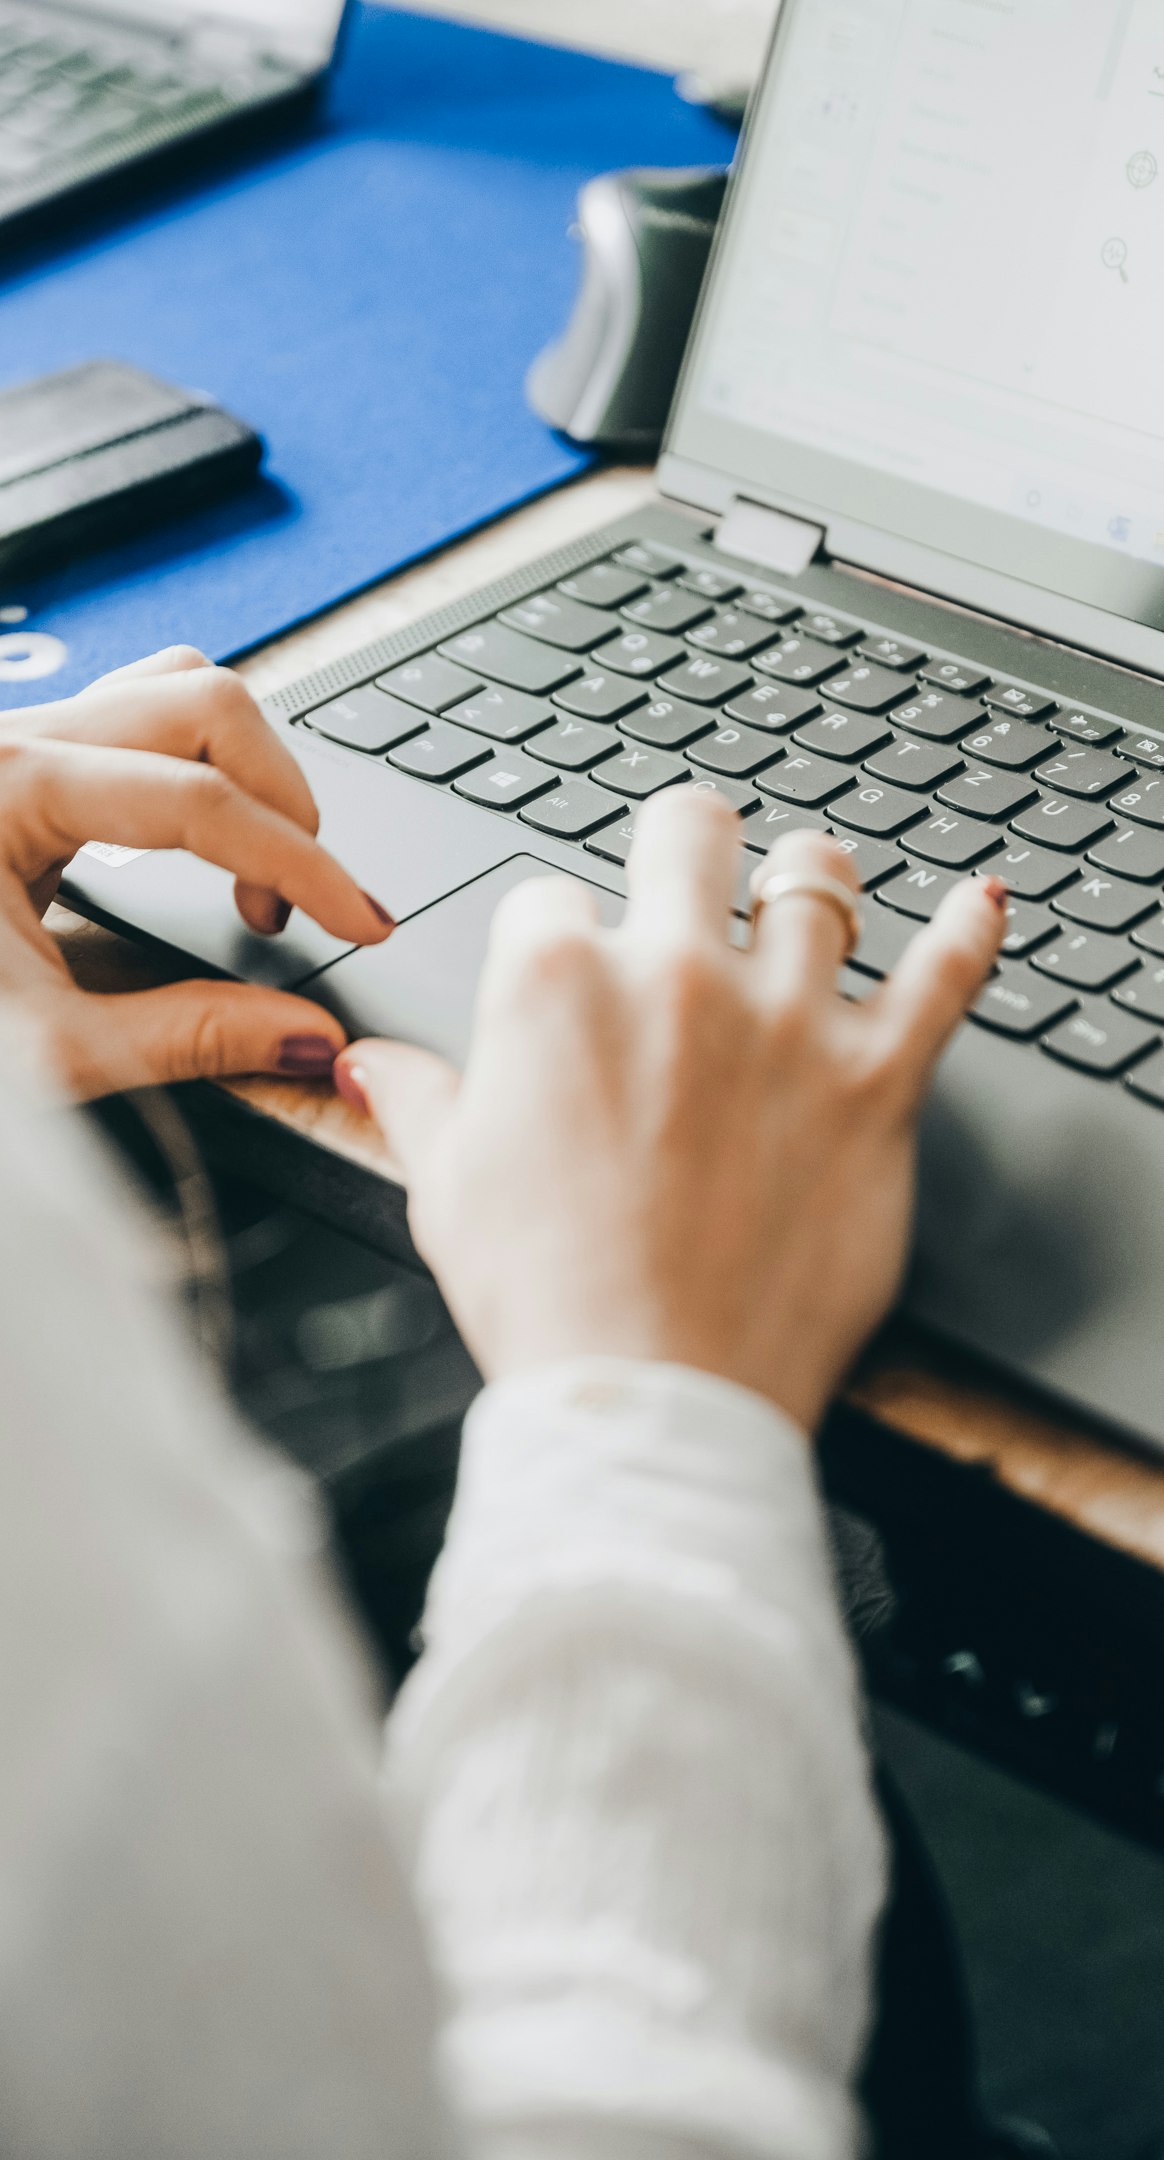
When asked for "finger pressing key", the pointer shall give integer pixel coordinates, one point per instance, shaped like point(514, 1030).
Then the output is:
point(805, 931)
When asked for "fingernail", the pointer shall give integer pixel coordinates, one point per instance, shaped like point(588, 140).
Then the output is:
point(280, 916)
point(381, 913)
point(351, 1082)
point(308, 1057)
point(998, 890)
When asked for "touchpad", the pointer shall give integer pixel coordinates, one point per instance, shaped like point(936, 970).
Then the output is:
point(421, 986)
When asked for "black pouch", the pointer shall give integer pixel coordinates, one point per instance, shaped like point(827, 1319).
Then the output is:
point(100, 452)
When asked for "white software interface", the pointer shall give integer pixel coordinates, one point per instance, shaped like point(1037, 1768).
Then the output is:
point(949, 260)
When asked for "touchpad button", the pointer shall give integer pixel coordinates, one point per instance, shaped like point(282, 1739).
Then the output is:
point(421, 986)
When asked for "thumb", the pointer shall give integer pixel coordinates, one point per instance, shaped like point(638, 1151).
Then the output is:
point(187, 1031)
point(409, 1092)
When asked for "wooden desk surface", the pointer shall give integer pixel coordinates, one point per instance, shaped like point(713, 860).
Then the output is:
point(1111, 1495)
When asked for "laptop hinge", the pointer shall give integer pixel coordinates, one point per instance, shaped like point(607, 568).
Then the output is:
point(770, 537)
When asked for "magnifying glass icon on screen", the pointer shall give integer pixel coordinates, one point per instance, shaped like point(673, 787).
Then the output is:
point(1114, 255)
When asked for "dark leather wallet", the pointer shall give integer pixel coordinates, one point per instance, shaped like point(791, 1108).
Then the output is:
point(100, 452)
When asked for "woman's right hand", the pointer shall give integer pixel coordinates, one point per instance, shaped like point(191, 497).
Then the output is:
point(665, 1148)
point(170, 753)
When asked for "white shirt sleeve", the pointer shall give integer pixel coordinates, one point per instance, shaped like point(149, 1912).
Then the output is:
point(629, 1765)
point(631, 1772)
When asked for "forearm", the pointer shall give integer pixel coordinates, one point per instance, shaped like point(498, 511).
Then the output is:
point(632, 1773)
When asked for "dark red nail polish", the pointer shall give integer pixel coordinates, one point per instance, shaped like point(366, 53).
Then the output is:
point(351, 1083)
point(381, 913)
point(998, 891)
point(306, 1057)
point(280, 916)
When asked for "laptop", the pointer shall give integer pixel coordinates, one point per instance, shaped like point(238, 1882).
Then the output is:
point(904, 581)
point(86, 91)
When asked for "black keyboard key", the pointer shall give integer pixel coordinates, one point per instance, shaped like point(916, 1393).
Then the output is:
point(1143, 993)
point(603, 584)
point(742, 798)
point(736, 636)
point(652, 561)
point(639, 652)
point(1079, 769)
point(772, 705)
point(984, 792)
point(505, 715)
point(1102, 902)
point(919, 891)
point(869, 688)
point(913, 764)
point(959, 676)
point(1032, 873)
point(1145, 750)
point(804, 778)
point(667, 723)
point(441, 753)
point(799, 660)
point(773, 819)
point(1012, 698)
point(507, 782)
point(875, 808)
point(1150, 935)
point(737, 751)
point(1147, 1080)
point(938, 715)
point(574, 809)
point(746, 868)
point(884, 938)
point(559, 621)
point(768, 606)
point(1015, 1003)
point(600, 696)
point(873, 860)
point(572, 745)
point(831, 629)
point(1132, 851)
point(639, 771)
point(1087, 726)
point(366, 719)
point(1100, 1041)
point(712, 584)
point(499, 654)
point(845, 735)
point(1027, 927)
point(1012, 743)
point(1055, 821)
point(668, 610)
point(957, 843)
point(1086, 959)
point(431, 683)
point(704, 680)
point(1143, 802)
point(613, 842)
point(893, 652)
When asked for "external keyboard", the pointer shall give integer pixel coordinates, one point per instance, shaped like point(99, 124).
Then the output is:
point(648, 669)
point(79, 94)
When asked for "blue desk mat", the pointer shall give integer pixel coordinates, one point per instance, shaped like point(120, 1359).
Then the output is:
point(369, 299)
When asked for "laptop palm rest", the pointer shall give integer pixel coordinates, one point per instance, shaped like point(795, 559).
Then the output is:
point(421, 987)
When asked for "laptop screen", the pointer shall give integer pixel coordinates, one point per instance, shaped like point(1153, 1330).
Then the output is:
point(938, 302)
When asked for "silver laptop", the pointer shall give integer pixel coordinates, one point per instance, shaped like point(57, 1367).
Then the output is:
point(905, 582)
point(86, 91)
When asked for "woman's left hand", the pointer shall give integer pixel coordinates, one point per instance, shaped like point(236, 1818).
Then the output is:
point(170, 753)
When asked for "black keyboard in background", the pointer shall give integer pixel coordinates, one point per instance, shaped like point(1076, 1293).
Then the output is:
point(648, 669)
point(71, 96)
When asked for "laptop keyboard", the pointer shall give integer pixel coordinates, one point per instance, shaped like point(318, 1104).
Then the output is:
point(69, 95)
point(646, 670)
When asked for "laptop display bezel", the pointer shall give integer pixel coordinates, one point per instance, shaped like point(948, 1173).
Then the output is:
point(943, 541)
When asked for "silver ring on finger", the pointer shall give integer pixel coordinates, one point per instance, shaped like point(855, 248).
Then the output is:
point(768, 892)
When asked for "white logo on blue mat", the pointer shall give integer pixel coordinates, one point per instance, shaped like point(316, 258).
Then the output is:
point(27, 654)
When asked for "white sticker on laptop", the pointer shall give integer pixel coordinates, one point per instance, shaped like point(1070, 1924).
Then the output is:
point(113, 857)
